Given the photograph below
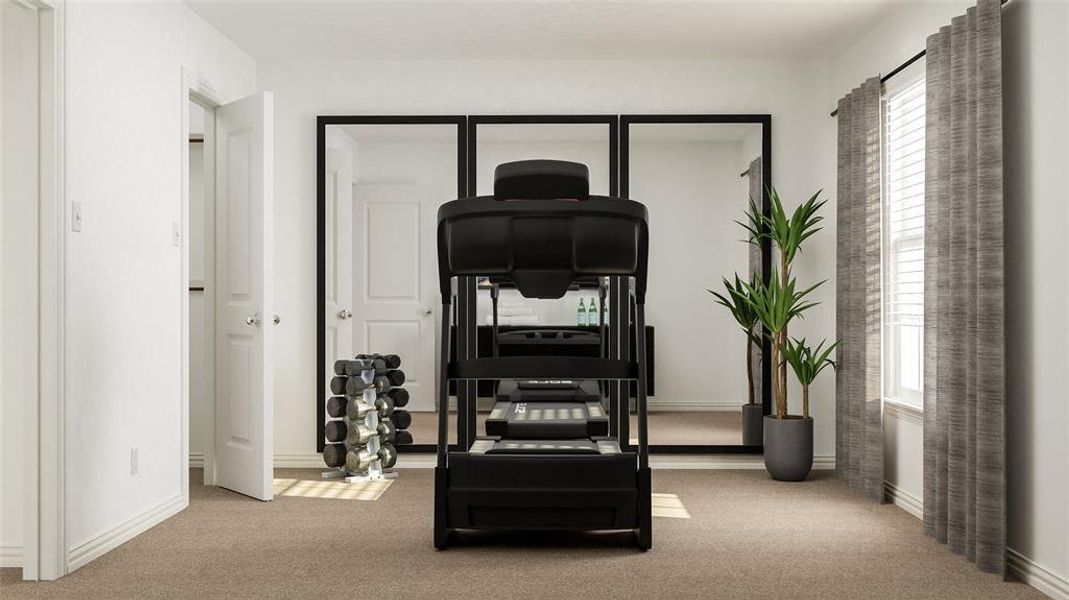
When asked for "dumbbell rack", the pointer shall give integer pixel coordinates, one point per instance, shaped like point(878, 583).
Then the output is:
point(374, 471)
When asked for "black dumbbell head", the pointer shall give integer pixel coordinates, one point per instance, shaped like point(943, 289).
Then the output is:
point(399, 396)
point(396, 377)
point(387, 430)
point(335, 431)
point(388, 455)
point(336, 406)
point(401, 418)
point(339, 367)
point(382, 384)
point(392, 360)
point(334, 455)
point(403, 437)
point(374, 362)
point(337, 385)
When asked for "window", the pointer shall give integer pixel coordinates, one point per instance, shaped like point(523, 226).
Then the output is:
point(903, 243)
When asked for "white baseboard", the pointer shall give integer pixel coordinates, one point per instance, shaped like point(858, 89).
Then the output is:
point(664, 405)
point(1038, 576)
point(89, 551)
point(10, 556)
point(904, 500)
point(299, 461)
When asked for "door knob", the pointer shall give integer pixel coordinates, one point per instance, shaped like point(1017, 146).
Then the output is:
point(253, 319)
point(427, 312)
point(345, 314)
point(277, 319)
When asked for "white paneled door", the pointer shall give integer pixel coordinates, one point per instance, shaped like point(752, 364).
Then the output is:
point(339, 269)
point(396, 296)
point(244, 419)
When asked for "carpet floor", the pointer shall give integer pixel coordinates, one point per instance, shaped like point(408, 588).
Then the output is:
point(747, 537)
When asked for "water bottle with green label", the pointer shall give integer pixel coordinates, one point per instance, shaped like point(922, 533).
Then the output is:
point(581, 314)
point(592, 313)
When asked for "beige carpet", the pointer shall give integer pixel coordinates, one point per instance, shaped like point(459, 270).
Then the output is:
point(747, 537)
point(666, 427)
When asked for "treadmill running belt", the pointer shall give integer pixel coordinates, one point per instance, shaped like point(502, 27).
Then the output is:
point(547, 420)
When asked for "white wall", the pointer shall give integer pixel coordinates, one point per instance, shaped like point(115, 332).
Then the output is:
point(123, 153)
point(1036, 100)
point(18, 276)
point(793, 91)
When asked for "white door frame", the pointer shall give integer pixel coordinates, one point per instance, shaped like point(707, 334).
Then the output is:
point(44, 545)
point(197, 89)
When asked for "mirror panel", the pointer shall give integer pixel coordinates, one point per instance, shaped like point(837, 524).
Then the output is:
point(695, 179)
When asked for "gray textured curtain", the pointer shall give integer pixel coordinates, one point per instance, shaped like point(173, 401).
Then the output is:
point(756, 181)
point(858, 397)
point(964, 368)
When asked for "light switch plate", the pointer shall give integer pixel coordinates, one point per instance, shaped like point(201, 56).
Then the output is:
point(76, 216)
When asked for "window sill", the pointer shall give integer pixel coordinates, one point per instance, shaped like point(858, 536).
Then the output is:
point(908, 411)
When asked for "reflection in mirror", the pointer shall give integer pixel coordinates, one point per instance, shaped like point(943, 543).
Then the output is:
point(384, 184)
point(688, 175)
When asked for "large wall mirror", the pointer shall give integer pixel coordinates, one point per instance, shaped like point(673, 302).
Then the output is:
point(382, 178)
point(696, 174)
point(380, 184)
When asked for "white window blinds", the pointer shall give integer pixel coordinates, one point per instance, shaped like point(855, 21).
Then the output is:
point(903, 241)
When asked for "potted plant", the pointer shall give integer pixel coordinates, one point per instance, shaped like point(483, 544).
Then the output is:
point(737, 301)
point(789, 463)
point(788, 439)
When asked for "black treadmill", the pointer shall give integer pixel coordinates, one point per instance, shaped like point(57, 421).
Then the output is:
point(542, 231)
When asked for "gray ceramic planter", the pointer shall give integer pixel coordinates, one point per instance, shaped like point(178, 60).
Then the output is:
point(752, 421)
point(788, 447)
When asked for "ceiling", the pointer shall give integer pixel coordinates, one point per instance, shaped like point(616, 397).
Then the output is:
point(335, 30)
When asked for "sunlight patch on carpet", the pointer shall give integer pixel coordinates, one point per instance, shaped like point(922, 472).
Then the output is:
point(368, 491)
point(669, 505)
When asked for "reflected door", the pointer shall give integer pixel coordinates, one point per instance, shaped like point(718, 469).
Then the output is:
point(339, 248)
point(396, 275)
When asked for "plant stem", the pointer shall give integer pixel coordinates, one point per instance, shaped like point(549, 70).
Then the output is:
point(805, 401)
point(784, 278)
point(749, 363)
point(781, 404)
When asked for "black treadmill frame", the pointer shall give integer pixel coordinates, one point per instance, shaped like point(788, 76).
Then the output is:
point(538, 367)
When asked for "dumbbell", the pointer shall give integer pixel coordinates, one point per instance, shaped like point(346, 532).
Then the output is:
point(381, 383)
point(401, 418)
point(358, 409)
point(402, 437)
point(399, 396)
point(334, 455)
point(335, 431)
point(396, 377)
point(360, 460)
point(392, 360)
point(361, 434)
point(355, 367)
point(337, 385)
point(336, 406)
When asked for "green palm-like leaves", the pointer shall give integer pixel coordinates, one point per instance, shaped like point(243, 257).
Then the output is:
point(786, 232)
point(808, 362)
point(777, 304)
point(737, 301)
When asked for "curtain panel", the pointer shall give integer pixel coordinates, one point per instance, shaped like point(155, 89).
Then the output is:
point(858, 394)
point(964, 337)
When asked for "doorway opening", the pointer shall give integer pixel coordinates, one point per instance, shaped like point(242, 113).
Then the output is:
point(200, 235)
